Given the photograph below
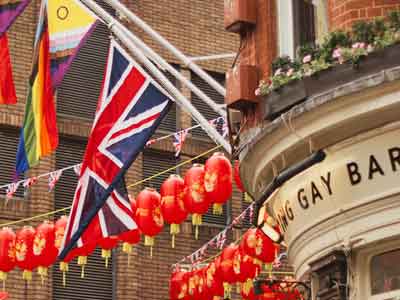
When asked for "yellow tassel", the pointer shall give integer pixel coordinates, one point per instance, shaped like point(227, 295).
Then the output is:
point(149, 241)
point(82, 261)
point(197, 221)
point(27, 275)
point(238, 287)
point(227, 291)
point(64, 268)
point(127, 248)
point(42, 271)
point(247, 286)
point(3, 277)
point(218, 209)
point(106, 254)
point(174, 230)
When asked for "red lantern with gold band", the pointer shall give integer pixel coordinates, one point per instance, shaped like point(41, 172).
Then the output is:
point(218, 180)
point(172, 206)
point(245, 268)
point(24, 251)
point(178, 285)
point(7, 252)
point(226, 269)
point(213, 281)
point(196, 200)
point(256, 244)
point(148, 215)
point(44, 247)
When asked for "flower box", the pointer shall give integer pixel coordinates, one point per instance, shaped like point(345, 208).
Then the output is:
point(344, 73)
point(283, 99)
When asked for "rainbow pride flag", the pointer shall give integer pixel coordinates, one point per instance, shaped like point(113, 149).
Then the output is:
point(63, 27)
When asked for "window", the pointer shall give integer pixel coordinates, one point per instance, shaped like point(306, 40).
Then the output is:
point(86, 72)
point(300, 22)
point(98, 281)
point(385, 272)
point(156, 161)
point(9, 138)
point(201, 106)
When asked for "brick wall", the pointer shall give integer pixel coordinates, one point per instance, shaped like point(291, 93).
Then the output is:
point(343, 13)
point(195, 27)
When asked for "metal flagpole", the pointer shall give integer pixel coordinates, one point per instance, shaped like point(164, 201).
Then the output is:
point(119, 32)
point(122, 9)
point(150, 53)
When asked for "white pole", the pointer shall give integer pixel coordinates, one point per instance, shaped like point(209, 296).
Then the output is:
point(122, 9)
point(150, 53)
point(212, 57)
point(115, 27)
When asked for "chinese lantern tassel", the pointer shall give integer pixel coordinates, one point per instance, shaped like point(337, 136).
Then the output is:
point(247, 286)
point(64, 269)
point(42, 271)
point(127, 248)
point(3, 277)
point(227, 291)
point(174, 230)
point(27, 275)
point(218, 209)
point(149, 241)
point(106, 254)
point(196, 221)
point(238, 287)
point(82, 261)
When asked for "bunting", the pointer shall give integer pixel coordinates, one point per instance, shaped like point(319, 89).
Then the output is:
point(63, 27)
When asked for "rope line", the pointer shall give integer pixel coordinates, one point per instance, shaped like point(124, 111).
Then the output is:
point(129, 186)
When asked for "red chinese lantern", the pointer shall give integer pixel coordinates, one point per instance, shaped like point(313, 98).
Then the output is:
point(7, 252)
point(213, 281)
point(196, 200)
point(25, 259)
point(148, 215)
point(256, 244)
point(236, 176)
point(269, 293)
point(172, 205)
point(106, 245)
point(226, 268)
point(218, 180)
point(244, 266)
point(178, 285)
point(44, 247)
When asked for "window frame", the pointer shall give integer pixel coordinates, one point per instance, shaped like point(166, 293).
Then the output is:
point(363, 283)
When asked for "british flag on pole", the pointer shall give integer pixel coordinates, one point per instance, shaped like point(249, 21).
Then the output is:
point(130, 109)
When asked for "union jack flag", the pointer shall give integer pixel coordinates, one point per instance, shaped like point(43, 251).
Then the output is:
point(130, 108)
point(179, 139)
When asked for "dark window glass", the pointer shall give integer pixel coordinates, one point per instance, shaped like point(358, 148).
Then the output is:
point(9, 138)
point(304, 22)
point(201, 106)
point(385, 272)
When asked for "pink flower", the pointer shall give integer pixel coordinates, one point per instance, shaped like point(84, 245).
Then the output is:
point(337, 53)
point(356, 45)
point(257, 92)
point(307, 59)
point(290, 72)
point(278, 72)
point(370, 48)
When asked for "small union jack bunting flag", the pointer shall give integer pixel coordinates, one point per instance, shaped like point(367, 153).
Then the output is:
point(179, 139)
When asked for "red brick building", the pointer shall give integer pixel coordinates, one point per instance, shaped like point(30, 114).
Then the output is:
point(196, 28)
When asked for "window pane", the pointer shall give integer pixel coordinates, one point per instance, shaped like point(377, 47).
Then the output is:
point(385, 272)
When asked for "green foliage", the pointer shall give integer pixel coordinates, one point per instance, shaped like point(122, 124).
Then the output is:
point(334, 40)
point(363, 32)
point(282, 62)
point(394, 20)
